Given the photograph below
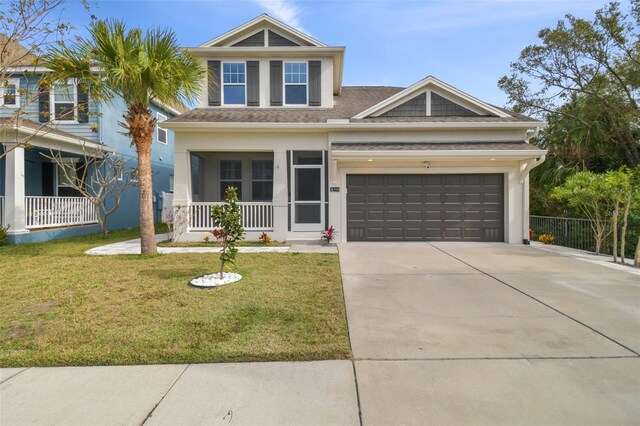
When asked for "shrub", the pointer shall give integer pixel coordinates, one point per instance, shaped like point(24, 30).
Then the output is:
point(328, 235)
point(228, 218)
point(546, 238)
point(3, 235)
point(264, 238)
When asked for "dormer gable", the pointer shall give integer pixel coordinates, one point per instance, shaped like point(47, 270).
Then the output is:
point(263, 31)
point(431, 97)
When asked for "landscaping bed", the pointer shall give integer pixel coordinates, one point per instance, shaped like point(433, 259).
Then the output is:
point(61, 307)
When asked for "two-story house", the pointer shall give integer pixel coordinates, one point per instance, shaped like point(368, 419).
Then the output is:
point(426, 162)
point(36, 201)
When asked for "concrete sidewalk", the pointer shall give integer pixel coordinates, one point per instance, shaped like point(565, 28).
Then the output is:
point(282, 393)
point(133, 247)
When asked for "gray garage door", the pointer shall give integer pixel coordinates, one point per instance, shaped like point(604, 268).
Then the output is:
point(466, 207)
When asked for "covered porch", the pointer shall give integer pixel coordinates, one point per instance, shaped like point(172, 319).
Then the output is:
point(35, 194)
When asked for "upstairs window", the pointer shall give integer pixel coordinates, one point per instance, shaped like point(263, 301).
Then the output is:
point(295, 83)
point(63, 102)
point(162, 133)
point(234, 83)
point(9, 93)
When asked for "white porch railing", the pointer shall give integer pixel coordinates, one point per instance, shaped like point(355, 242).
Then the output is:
point(255, 216)
point(1, 210)
point(45, 212)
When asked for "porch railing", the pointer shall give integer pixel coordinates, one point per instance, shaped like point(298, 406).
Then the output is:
point(255, 216)
point(46, 212)
point(1, 210)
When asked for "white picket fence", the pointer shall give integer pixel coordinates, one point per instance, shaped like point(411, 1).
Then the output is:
point(255, 216)
point(46, 212)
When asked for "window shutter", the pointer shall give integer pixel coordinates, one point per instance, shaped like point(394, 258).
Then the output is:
point(253, 83)
point(44, 113)
point(83, 103)
point(315, 89)
point(214, 85)
point(276, 83)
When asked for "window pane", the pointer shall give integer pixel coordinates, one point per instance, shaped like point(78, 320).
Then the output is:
point(295, 95)
point(64, 111)
point(10, 94)
point(262, 169)
point(295, 73)
point(262, 191)
point(236, 184)
point(231, 170)
point(162, 135)
point(63, 92)
point(308, 184)
point(234, 95)
point(307, 157)
point(233, 73)
point(308, 213)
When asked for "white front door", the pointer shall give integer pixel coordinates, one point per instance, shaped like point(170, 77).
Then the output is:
point(307, 190)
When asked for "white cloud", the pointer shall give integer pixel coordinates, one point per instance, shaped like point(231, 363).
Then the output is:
point(283, 10)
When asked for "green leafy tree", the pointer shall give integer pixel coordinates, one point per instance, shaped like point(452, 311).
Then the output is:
point(140, 68)
point(228, 218)
point(583, 78)
point(589, 193)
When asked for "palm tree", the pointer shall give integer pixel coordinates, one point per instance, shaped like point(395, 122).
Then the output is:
point(114, 61)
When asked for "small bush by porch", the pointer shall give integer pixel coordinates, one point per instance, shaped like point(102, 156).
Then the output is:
point(64, 308)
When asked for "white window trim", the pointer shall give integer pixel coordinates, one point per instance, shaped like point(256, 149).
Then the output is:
point(160, 117)
point(222, 84)
point(52, 104)
point(11, 82)
point(285, 84)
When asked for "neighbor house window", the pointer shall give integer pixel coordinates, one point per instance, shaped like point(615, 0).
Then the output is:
point(162, 133)
point(63, 102)
point(9, 93)
point(295, 83)
point(262, 180)
point(234, 83)
point(230, 175)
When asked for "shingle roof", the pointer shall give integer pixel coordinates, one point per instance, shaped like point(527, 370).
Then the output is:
point(434, 146)
point(13, 54)
point(351, 101)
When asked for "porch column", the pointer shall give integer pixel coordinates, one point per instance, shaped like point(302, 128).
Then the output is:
point(181, 193)
point(15, 214)
point(280, 196)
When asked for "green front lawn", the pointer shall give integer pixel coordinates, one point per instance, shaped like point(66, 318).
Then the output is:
point(60, 307)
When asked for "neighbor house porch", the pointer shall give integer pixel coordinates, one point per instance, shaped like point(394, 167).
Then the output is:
point(37, 201)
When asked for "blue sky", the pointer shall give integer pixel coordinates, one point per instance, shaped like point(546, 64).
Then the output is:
point(467, 43)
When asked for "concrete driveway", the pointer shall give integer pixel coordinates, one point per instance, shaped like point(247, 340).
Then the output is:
point(466, 333)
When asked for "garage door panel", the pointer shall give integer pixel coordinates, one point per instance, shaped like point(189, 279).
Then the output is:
point(425, 207)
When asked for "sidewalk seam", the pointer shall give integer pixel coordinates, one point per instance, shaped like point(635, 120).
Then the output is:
point(17, 374)
point(163, 396)
point(540, 301)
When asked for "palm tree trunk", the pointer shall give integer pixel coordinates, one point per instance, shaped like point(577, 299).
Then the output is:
point(141, 124)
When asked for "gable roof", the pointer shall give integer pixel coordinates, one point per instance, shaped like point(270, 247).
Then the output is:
point(347, 105)
point(13, 54)
point(258, 23)
point(443, 88)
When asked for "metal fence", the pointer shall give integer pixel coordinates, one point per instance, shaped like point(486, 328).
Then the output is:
point(578, 234)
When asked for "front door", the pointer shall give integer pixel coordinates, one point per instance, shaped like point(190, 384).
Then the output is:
point(307, 189)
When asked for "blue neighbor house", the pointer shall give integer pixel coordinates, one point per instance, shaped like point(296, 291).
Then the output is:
point(36, 203)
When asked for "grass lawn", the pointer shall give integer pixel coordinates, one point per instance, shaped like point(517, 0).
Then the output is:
point(60, 307)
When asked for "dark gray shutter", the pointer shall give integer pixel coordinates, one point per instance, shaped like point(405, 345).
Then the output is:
point(83, 103)
point(253, 83)
point(315, 88)
point(48, 179)
point(276, 83)
point(44, 113)
point(213, 83)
